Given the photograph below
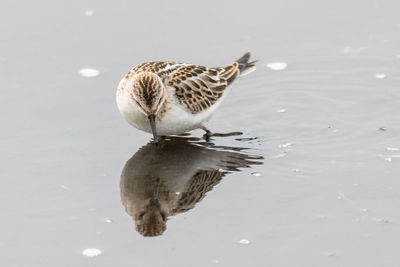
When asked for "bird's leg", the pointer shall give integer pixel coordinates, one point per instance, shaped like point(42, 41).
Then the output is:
point(208, 133)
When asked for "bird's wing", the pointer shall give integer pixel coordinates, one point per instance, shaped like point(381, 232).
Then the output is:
point(202, 182)
point(197, 87)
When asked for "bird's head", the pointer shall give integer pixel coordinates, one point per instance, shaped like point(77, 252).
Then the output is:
point(151, 222)
point(148, 93)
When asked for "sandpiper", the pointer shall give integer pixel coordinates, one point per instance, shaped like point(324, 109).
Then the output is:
point(169, 98)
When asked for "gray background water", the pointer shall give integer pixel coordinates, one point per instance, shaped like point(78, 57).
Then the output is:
point(332, 199)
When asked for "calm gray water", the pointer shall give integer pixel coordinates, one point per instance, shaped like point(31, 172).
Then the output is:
point(326, 189)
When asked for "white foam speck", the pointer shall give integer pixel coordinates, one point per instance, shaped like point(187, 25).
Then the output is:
point(364, 210)
point(392, 149)
point(91, 252)
point(388, 159)
point(89, 73)
point(281, 155)
point(244, 241)
point(356, 184)
point(290, 144)
point(108, 220)
point(256, 174)
point(277, 65)
point(281, 110)
point(380, 76)
point(89, 13)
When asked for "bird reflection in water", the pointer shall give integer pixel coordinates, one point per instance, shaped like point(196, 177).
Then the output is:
point(158, 182)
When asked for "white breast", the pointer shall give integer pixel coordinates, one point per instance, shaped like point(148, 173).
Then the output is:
point(176, 120)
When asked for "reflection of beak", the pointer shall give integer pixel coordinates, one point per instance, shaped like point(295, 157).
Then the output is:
point(154, 199)
point(152, 119)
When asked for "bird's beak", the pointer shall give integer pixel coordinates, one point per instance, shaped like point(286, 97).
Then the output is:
point(152, 119)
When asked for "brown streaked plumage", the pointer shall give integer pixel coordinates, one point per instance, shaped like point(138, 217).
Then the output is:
point(161, 90)
point(195, 86)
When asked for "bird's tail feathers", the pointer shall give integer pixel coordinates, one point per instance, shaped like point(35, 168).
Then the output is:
point(245, 67)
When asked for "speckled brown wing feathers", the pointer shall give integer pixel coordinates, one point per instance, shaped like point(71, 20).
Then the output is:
point(201, 183)
point(197, 87)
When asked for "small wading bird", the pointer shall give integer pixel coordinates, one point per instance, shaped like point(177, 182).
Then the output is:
point(169, 98)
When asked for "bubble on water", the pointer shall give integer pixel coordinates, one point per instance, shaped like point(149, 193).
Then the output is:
point(89, 13)
point(392, 149)
point(244, 241)
point(380, 76)
point(91, 252)
point(256, 174)
point(281, 110)
point(89, 73)
point(277, 65)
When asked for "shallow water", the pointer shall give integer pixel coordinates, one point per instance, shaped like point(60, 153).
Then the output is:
point(326, 191)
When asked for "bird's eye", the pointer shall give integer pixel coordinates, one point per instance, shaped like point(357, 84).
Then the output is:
point(141, 215)
point(164, 217)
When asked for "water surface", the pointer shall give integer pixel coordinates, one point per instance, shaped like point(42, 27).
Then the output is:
point(327, 193)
